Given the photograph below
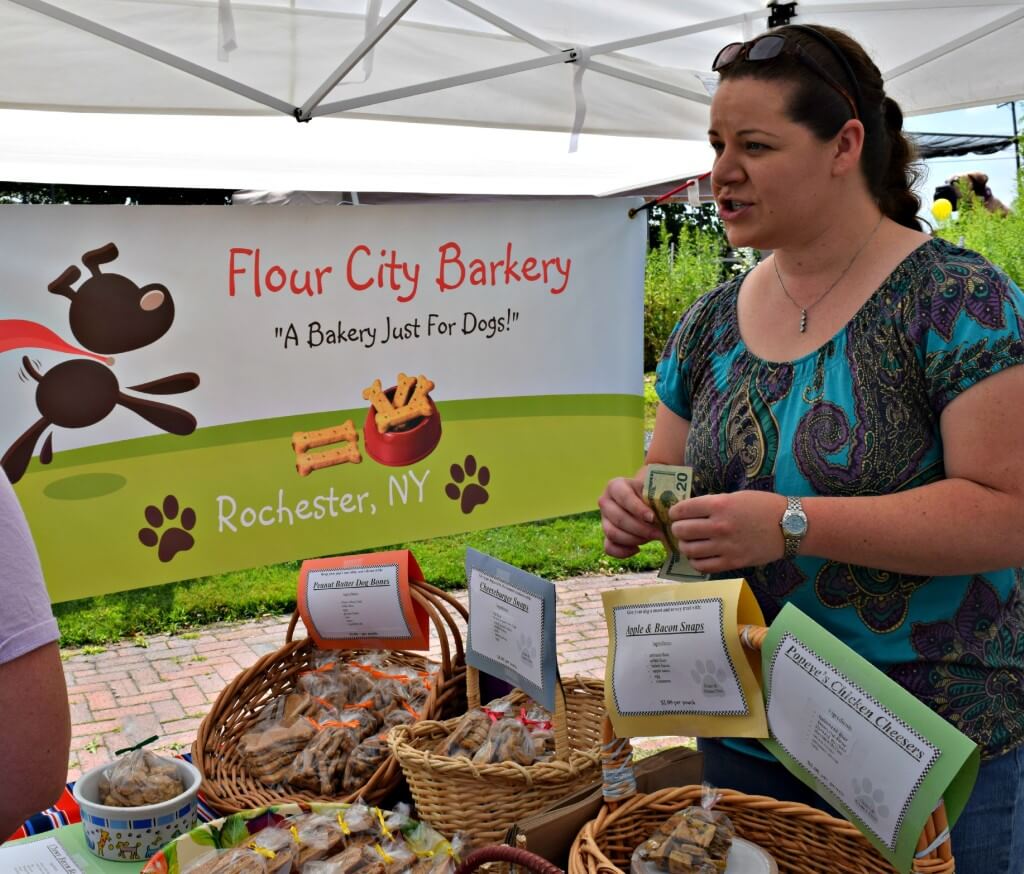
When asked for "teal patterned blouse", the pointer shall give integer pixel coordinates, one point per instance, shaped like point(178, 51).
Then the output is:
point(860, 416)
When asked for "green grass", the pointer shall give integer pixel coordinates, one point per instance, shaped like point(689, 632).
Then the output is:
point(554, 549)
point(650, 402)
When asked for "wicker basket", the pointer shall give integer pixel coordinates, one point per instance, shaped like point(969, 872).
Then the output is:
point(227, 784)
point(803, 840)
point(453, 794)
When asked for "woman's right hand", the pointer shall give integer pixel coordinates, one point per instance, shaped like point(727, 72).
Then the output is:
point(628, 523)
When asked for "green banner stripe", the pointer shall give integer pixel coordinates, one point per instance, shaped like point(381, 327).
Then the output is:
point(268, 429)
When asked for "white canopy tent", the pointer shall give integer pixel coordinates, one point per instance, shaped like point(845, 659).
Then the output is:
point(600, 67)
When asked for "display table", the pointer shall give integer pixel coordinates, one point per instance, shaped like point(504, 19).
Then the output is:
point(72, 839)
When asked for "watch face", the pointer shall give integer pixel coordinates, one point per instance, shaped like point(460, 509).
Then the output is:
point(794, 524)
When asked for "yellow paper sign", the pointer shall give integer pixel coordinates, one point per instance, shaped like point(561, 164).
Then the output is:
point(676, 665)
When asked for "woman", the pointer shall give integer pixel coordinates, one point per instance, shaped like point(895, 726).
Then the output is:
point(36, 733)
point(849, 407)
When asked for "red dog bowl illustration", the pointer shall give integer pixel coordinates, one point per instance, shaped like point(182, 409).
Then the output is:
point(404, 444)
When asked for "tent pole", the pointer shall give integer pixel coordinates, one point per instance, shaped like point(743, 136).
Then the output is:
point(953, 45)
point(439, 84)
point(674, 33)
point(128, 42)
point(1016, 136)
point(597, 66)
point(305, 112)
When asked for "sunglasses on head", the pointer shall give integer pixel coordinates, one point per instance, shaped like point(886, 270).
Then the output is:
point(771, 45)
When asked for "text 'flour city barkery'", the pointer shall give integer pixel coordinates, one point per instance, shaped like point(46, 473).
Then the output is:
point(254, 271)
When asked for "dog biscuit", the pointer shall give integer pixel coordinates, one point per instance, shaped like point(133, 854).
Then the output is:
point(424, 387)
point(375, 395)
point(412, 410)
point(305, 440)
point(405, 384)
point(307, 462)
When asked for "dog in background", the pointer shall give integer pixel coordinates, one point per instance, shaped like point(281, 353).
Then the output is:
point(977, 186)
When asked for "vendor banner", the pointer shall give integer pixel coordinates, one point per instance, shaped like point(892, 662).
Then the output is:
point(192, 390)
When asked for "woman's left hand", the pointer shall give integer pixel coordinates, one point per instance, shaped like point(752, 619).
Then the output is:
point(728, 531)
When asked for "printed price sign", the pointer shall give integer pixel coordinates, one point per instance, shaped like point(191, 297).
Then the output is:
point(860, 740)
point(512, 626)
point(363, 602)
point(675, 662)
point(47, 856)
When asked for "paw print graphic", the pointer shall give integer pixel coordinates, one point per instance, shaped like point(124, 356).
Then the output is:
point(167, 531)
point(469, 494)
point(527, 651)
point(709, 676)
point(870, 800)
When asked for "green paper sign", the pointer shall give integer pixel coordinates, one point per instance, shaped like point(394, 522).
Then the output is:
point(858, 739)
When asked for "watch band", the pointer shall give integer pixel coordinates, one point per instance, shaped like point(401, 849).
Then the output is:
point(793, 505)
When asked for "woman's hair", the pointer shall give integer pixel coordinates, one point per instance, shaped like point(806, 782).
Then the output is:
point(888, 159)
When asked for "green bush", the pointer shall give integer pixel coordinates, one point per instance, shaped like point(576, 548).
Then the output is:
point(678, 272)
point(998, 238)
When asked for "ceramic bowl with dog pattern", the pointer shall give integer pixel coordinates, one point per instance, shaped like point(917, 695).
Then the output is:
point(129, 834)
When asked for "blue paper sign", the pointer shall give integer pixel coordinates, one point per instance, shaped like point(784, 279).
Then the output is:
point(512, 626)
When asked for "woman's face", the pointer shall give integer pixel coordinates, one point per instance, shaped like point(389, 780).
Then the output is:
point(770, 175)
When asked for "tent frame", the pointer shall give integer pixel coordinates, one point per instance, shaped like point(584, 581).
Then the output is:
point(582, 56)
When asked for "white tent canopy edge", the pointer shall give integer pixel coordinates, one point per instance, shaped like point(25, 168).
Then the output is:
point(349, 155)
point(537, 64)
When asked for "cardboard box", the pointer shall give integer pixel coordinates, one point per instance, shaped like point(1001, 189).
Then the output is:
point(550, 832)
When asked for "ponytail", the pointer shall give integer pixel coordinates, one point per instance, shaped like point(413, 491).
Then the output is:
point(894, 187)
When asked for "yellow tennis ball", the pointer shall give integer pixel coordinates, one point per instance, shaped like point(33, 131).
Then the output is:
point(942, 209)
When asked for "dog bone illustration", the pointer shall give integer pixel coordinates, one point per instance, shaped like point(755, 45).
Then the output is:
point(307, 462)
point(375, 395)
point(304, 440)
point(405, 384)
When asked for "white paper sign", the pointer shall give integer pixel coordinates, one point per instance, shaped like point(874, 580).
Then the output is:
point(863, 753)
point(357, 602)
point(40, 857)
point(670, 658)
point(505, 624)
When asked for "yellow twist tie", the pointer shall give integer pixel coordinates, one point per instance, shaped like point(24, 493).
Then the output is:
point(345, 830)
point(295, 834)
point(383, 825)
point(263, 851)
point(388, 859)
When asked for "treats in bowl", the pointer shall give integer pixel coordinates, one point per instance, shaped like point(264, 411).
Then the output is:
point(128, 809)
point(402, 425)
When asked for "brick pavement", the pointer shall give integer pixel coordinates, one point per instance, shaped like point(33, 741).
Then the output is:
point(130, 691)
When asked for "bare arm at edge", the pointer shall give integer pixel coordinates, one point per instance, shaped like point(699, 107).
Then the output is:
point(35, 736)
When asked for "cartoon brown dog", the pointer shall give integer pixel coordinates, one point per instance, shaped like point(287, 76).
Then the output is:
point(109, 314)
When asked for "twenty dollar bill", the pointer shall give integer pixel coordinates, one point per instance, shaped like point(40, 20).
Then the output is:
point(664, 486)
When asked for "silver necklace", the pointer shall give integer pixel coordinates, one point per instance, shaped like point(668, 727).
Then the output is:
point(824, 294)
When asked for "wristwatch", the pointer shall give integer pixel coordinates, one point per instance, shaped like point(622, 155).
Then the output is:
point(794, 526)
